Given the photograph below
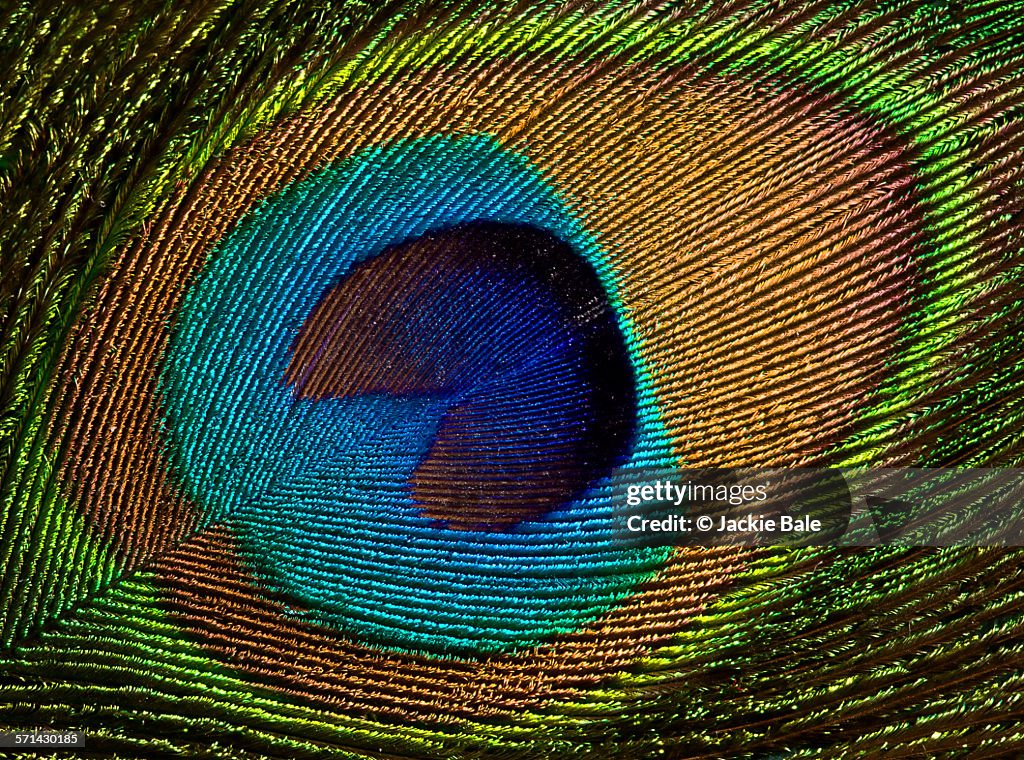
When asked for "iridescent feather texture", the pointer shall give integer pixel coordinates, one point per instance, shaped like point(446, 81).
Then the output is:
point(324, 326)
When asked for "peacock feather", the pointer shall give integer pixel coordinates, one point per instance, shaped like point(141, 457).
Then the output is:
point(323, 327)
